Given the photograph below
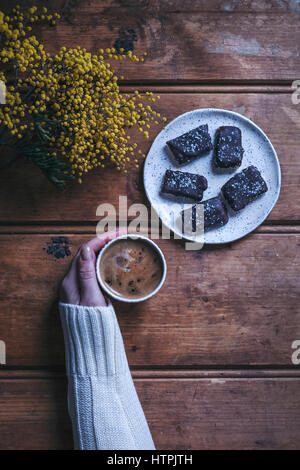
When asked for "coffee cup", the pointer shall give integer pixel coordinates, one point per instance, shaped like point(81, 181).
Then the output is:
point(131, 268)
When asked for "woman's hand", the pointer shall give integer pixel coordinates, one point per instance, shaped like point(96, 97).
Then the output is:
point(80, 285)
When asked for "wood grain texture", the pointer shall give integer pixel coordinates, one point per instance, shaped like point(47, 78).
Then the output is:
point(182, 413)
point(33, 415)
point(28, 197)
point(192, 40)
point(7, 373)
point(230, 305)
point(211, 353)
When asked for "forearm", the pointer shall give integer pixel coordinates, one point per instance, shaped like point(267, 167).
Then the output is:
point(103, 404)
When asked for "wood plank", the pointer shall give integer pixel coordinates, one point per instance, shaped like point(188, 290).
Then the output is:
point(244, 372)
point(28, 197)
point(229, 305)
point(213, 86)
point(194, 40)
point(182, 413)
point(33, 415)
point(89, 229)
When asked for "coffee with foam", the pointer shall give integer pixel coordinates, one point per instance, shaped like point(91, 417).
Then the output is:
point(131, 269)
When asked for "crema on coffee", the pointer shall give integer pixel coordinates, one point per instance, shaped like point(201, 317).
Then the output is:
point(131, 268)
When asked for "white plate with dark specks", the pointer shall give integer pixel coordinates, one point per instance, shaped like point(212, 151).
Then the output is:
point(258, 152)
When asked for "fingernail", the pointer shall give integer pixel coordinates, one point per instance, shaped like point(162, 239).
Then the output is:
point(86, 253)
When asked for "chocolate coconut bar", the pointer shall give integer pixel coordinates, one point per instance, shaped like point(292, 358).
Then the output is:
point(215, 215)
point(228, 148)
point(190, 145)
point(184, 184)
point(244, 187)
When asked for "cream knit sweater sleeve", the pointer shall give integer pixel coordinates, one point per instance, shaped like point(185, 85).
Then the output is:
point(103, 404)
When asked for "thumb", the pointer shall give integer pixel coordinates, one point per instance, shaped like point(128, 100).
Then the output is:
point(89, 289)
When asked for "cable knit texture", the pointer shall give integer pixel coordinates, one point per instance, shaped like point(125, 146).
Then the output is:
point(103, 404)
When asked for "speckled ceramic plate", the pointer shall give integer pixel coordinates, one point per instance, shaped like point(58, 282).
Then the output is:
point(258, 151)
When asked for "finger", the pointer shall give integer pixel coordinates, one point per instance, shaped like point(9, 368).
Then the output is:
point(68, 291)
point(89, 288)
point(98, 242)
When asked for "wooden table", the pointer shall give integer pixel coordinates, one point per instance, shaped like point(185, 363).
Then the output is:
point(211, 354)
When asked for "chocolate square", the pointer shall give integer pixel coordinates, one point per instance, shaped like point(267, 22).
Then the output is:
point(184, 184)
point(228, 148)
point(215, 215)
point(244, 187)
point(190, 145)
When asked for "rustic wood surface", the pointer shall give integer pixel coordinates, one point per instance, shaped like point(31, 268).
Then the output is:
point(35, 200)
point(230, 413)
point(190, 40)
point(211, 354)
point(228, 304)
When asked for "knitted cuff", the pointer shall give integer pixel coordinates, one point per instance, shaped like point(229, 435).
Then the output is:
point(93, 342)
